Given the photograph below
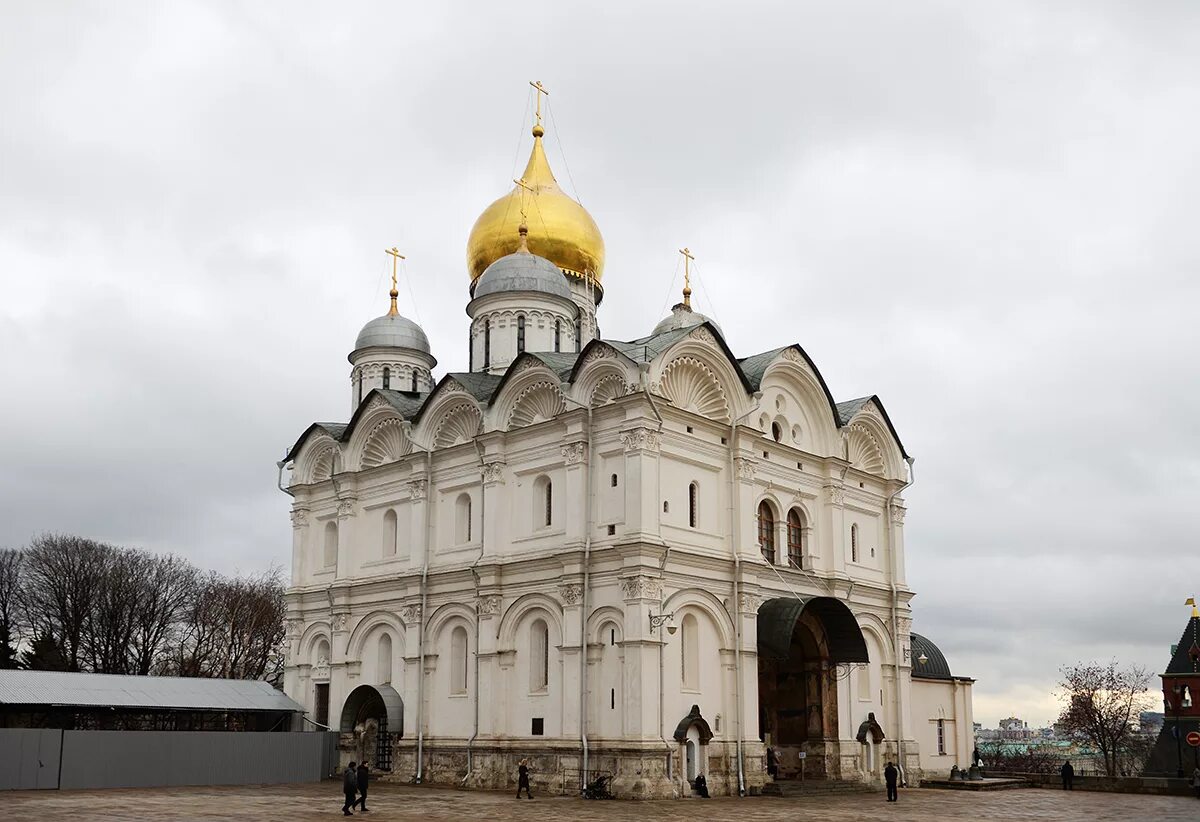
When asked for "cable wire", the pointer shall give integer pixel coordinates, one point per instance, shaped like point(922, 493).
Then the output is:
point(558, 138)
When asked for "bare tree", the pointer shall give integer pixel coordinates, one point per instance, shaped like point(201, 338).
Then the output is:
point(61, 588)
point(109, 627)
point(232, 627)
point(10, 606)
point(1019, 758)
point(1102, 703)
point(168, 586)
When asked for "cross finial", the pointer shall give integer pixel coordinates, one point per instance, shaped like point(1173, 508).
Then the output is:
point(396, 256)
point(540, 89)
point(523, 229)
point(687, 276)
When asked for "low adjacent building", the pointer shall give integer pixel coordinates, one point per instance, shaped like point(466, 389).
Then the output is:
point(943, 722)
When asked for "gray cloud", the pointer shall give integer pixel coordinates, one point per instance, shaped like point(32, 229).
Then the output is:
point(980, 212)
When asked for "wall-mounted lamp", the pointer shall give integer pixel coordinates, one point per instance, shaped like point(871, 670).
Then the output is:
point(658, 619)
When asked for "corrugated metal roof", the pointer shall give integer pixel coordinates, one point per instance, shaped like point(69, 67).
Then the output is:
point(158, 692)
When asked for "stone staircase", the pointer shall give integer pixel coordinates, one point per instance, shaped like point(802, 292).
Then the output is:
point(817, 787)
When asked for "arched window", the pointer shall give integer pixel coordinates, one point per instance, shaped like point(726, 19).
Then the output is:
point(543, 502)
point(777, 432)
point(458, 660)
point(1186, 702)
point(387, 377)
point(766, 531)
point(413, 384)
point(613, 481)
point(358, 389)
point(693, 502)
point(539, 656)
point(689, 652)
point(384, 666)
point(854, 543)
point(487, 344)
point(795, 538)
point(462, 519)
point(578, 334)
point(390, 533)
point(558, 335)
point(331, 544)
point(521, 334)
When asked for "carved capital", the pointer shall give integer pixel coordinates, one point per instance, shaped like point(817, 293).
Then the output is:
point(411, 614)
point(573, 453)
point(633, 588)
point(293, 628)
point(570, 593)
point(746, 468)
point(417, 489)
point(898, 514)
point(640, 439)
point(492, 473)
point(345, 508)
point(299, 517)
point(341, 622)
point(488, 605)
point(837, 494)
point(748, 603)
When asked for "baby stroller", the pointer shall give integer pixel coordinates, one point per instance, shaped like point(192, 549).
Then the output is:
point(597, 789)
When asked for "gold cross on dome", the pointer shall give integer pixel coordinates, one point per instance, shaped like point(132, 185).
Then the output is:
point(687, 276)
point(537, 84)
point(396, 256)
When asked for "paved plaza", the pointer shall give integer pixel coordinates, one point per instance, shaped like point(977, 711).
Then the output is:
point(297, 803)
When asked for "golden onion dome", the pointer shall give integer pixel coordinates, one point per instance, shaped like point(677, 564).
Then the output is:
point(560, 229)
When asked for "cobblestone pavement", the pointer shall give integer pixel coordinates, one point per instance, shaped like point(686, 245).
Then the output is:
point(297, 803)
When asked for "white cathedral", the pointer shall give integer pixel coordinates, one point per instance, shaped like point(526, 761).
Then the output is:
point(647, 560)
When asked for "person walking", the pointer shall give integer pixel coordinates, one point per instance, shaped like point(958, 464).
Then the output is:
point(523, 779)
point(349, 786)
point(1068, 776)
point(361, 781)
point(891, 775)
point(1196, 781)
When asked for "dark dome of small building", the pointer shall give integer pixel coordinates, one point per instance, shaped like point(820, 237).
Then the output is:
point(935, 666)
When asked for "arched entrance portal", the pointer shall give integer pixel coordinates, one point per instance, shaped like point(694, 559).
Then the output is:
point(800, 643)
point(375, 716)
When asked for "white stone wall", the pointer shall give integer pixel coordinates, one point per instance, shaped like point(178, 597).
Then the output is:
point(645, 554)
point(948, 701)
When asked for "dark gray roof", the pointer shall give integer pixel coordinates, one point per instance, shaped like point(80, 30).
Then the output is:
point(479, 386)
point(846, 410)
point(1186, 659)
point(561, 363)
point(935, 666)
point(646, 349)
point(408, 403)
point(151, 692)
point(755, 366)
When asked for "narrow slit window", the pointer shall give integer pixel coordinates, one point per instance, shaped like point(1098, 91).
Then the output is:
point(521, 334)
point(693, 513)
point(557, 335)
point(387, 377)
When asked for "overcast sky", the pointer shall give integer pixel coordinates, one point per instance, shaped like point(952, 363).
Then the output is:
point(983, 212)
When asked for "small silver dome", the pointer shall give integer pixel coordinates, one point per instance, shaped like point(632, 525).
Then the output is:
point(683, 317)
point(392, 331)
point(522, 271)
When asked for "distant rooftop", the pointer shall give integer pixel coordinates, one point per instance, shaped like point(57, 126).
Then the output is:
point(172, 693)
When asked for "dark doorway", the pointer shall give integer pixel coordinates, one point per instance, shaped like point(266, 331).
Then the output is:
point(375, 718)
point(321, 709)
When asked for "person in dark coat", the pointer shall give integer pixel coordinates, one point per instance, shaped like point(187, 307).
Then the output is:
point(1068, 776)
point(701, 786)
point(891, 774)
point(361, 781)
point(349, 787)
point(523, 780)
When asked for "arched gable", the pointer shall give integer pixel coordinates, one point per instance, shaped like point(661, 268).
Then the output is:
point(385, 440)
point(450, 416)
point(528, 401)
point(317, 459)
point(698, 374)
point(708, 603)
point(368, 625)
point(790, 377)
point(875, 628)
point(506, 632)
point(871, 443)
point(602, 374)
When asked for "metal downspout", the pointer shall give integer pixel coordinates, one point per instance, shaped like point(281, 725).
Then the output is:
point(583, 599)
point(279, 482)
point(475, 576)
point(645, 378)
point(737, 617)
point(424, 603)
point(887, 512)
